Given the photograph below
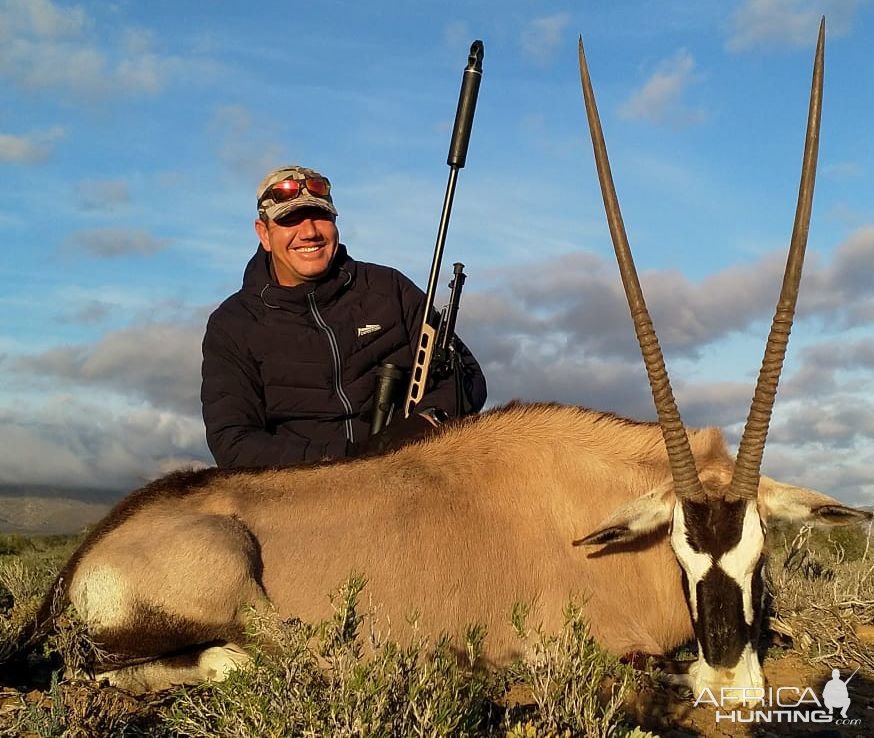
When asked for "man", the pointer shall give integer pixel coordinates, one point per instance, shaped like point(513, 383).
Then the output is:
point(290, 361)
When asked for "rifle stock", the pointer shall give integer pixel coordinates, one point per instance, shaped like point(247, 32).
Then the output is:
point(440, 359)
point(421, 367)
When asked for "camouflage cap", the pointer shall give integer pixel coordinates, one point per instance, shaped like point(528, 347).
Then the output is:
point(275, 210)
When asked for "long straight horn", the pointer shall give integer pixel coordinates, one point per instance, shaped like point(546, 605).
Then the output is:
point(683, 470)
point(745, 482)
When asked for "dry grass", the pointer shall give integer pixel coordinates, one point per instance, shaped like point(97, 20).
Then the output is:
point(345, 677)
point(822, 584)
point(28, 566)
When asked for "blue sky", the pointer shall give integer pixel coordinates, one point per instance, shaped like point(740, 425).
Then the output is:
point(132, 136)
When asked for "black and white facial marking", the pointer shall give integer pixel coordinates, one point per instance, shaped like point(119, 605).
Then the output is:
point(719, 543)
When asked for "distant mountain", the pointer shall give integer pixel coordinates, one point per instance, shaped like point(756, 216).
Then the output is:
point(84, 494)
point(43, 510)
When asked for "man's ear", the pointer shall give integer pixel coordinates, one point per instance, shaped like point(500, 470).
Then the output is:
point(261, 231)
point(797, 504)
point(636, 519)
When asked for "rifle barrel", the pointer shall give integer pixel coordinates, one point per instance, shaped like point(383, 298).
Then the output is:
point(470, 81)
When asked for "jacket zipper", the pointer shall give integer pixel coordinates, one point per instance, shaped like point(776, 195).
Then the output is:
point(338, 374)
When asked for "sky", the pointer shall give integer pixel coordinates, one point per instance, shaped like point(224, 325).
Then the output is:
point(133, 135)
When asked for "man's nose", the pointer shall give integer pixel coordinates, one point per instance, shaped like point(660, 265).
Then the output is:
point(307, 227)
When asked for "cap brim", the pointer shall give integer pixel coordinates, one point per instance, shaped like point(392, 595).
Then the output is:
point(277, 211)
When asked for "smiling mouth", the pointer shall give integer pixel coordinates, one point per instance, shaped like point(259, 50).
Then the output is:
point(308, 249)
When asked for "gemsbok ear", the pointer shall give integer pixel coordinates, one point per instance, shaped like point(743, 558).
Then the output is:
point(797, 504)
point(635, 520)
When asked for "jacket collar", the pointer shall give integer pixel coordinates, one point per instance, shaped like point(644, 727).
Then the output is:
point(259, 282)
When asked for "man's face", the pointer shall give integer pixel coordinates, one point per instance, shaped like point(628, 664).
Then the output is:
point(302, 244)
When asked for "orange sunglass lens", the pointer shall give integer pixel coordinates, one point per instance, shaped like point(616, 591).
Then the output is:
point(317, 187)
point(286, 190)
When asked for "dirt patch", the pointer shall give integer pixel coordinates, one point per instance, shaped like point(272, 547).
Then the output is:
point(89, 710)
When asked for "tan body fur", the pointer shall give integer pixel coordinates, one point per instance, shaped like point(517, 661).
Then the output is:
point(458, 528)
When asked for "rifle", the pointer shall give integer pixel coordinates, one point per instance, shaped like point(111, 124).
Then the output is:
point(436, 354)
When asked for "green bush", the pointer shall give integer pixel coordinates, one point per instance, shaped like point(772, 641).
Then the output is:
point(325, 680)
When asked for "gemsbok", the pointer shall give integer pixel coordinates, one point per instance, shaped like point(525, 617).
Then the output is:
point(657, 529)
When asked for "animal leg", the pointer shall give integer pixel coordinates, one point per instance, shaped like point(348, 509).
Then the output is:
point(168, 588)
point(212, 663)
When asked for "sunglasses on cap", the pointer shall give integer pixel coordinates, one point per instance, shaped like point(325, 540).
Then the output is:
point(289, 189)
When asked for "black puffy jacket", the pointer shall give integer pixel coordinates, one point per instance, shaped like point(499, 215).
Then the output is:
point(289, 372)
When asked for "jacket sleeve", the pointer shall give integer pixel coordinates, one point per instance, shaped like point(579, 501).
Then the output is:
point(232, 396)
point(442, 393)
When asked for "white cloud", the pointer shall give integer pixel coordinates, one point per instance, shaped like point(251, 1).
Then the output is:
point(842, 472)
point(102, 195)
point(839, 421)
point(44, 46)
point(544, 36)
point(42, 18)
point(29, 148)
point(109, 242)
point(158, 362)
point(841, 291)
point(843, 170)
point(27, 456)
point(457, 34)
point(766, 23)
point(247, 146)
point(140, 68)
point(89, 311)
point(66, 440)
point(660, 99)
